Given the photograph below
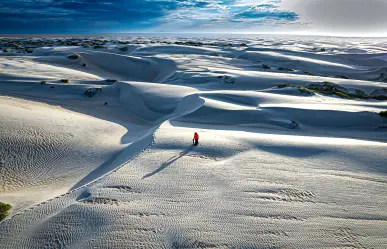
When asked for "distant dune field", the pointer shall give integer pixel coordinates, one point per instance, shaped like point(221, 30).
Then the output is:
point(96, 142)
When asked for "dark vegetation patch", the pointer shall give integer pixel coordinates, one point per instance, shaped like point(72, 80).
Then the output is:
point(4, 208)
point(286, 69)
point(123, 49)
point(111, 80)
point(227, 79)
point(13, 45)
point(266, 66)
point(302, 89)
point(92, 91)
point(190, 43)
point(294, 125)
point(329, 88)
point(99, 47)
point(343, 95)
point(383, 114)
point(73, 56)
point(380, 94)
point(341, 77)
point(319, 49)
point(383, 76)
point(67, 81)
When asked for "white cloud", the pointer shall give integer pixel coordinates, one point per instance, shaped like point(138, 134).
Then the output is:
point(229, 15)
point(342, 17)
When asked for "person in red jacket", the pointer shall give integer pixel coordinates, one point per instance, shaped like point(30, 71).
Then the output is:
point(195, 140)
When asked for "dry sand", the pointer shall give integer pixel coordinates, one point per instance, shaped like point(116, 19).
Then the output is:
point(275, 167)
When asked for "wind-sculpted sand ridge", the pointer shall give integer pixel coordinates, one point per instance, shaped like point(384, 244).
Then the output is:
point(110, 65)
point(121, 67)
point(160, 200)
point(105, 160)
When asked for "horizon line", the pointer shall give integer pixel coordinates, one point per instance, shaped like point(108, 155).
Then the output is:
point(201, 32)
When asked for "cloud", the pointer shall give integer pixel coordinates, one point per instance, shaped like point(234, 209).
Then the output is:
point(267, 11)
point(229, 16)
point(358, 17)
point(100, 16)
point(88, 16)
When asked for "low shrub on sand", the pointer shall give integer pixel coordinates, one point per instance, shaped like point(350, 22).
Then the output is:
point(123, 49)
point(73, 56)
point(341, 77)
point(343, 95)
point(286, 85)
point(4, 208)
point(332, 88)
point(302, 89)
point(92, 91)
point(266, 66)
point(328, 88)
point(100, 46)
point(285, 69)
point(383, 114)
point(67, 81)
point(379, 94)
point(14, 45)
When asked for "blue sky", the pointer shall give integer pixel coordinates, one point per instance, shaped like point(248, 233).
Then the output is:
point(246, 16)
point(88, 16)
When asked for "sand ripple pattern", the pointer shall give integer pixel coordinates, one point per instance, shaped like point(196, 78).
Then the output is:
point(186, 197)
point(27, 156)
point(276, 167)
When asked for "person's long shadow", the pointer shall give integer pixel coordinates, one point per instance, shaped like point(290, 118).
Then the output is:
point(169, 162)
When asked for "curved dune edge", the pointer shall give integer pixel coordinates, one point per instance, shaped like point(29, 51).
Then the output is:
point(185, 106)
point(274, 168)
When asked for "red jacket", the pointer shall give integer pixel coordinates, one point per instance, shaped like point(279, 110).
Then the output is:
point(196, 136)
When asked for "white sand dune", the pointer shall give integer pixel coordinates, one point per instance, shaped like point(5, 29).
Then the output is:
point(275, 167)
point(121, 67)
point(153, 50)
point(112, 65)
point(19, 66)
